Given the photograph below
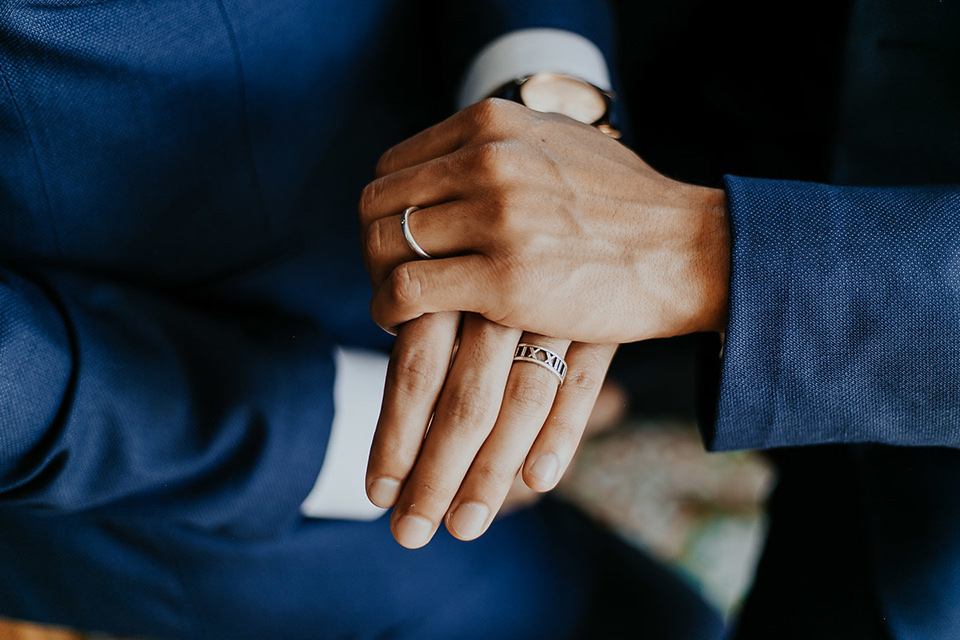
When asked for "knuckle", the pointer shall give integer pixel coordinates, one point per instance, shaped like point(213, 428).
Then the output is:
point(490, 477)
point(583, 381)
point(486, 112)
point(390, 453)
point(497, 163)
point(385, 162)
point(373, 241)
point(469, 407)
point(379, 312)
point(368, 198)
point(484, 158)
point(404, 286)
point(415, 373)
point(429, 497)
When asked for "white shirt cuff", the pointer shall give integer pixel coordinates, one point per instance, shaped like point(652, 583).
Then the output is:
point(340, 490)
point(528, 51)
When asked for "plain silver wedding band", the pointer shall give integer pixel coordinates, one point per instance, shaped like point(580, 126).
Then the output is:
point(405, 227)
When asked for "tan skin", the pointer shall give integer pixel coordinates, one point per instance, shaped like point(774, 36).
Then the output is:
point(490, 420)
point(537, 223)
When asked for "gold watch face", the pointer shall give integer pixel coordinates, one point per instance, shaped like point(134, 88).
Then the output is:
point(554, 93)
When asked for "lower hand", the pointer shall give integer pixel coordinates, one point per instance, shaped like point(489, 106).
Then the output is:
point(491, 417)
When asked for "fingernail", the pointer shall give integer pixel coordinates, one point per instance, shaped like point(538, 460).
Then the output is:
point(413, 531)
point(383, 492)
point(468, 519)
point(545, 468)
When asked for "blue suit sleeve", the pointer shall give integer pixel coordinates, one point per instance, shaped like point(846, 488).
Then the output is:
point(115, 399)
point(844, 320)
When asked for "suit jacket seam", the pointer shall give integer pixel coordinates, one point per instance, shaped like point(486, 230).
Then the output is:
point(36, 160)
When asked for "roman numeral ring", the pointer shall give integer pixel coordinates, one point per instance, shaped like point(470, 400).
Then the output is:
point(543, 357)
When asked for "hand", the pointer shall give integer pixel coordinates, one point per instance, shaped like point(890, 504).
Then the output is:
point(545, 224)
point(490, 418)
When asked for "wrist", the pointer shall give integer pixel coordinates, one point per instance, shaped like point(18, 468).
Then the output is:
point(713, 265)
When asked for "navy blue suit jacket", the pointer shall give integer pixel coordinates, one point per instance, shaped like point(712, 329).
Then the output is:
point(178, 253)
point(844, 328)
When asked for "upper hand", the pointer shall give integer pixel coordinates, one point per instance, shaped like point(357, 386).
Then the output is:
point(545, 224)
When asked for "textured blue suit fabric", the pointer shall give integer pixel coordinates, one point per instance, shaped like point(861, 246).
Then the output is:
point(178, 253)
point(843, 329)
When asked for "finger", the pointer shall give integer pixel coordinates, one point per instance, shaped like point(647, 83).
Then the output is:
point(558, 440)
point(444, 138)
point(464, 283)
point(527, 399)
point(466, 412)
point(442, 230)
point(418, 367)
point(433, 182)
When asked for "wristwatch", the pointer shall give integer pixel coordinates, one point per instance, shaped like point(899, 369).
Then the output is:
point(566, 95)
